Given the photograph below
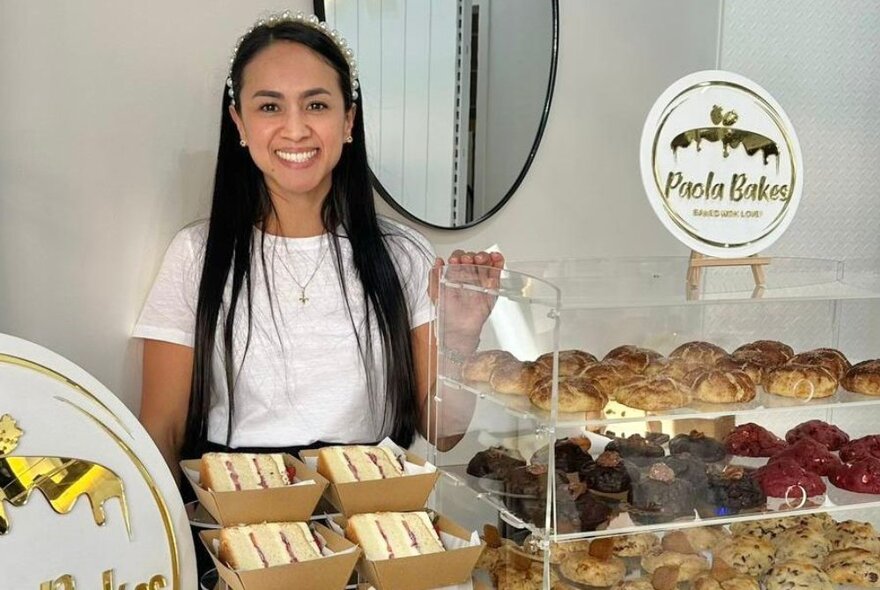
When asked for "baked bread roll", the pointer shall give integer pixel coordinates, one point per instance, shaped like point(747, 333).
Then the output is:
point(267, 545)
point(753, 369)
point(515, 377)
point(571, 362)
point(863, 377)
point(699, 353)
point(721, 387)
point(607, 376)
point(576, 394)
point(655, 393)
point(478, 366)
point(669, 367)
point(767, 353)
point(831, 359)
point(389, 535)
point(232, 472)
point(345, 464)
point(800, 381)
point(635, 357)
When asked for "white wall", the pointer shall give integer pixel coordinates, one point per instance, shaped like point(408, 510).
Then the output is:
point(583, 194)
point(108, 122)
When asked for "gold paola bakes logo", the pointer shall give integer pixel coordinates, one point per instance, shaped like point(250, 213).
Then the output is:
point(741, 186)
point(62, 481)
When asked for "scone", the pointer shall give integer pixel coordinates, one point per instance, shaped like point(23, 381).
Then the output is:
point(795, 575)
point(707, 582)
point(694, 540)
point(852, 534)
point(584, 568)
point(853, 566)
point(635, 545)
point(689, 565)
point(750, 556)
point(802, 543)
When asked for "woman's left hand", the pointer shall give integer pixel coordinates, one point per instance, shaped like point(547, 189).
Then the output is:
point(466, 310)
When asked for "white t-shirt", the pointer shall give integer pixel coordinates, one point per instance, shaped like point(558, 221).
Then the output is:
point(302, 379)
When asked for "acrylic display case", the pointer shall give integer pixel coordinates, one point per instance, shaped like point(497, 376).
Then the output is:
point(542, 495)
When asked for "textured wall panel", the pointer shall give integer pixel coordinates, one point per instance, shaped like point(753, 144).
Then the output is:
point(821, 61)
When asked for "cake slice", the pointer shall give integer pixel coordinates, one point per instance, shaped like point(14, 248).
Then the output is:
point(358, 463)
point(267, 545)
point(228, 472)
point(388, 535)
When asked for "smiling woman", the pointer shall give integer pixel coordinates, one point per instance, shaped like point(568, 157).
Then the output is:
point(457, 96)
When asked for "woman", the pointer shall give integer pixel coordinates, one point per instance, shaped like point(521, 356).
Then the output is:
point(294, 317)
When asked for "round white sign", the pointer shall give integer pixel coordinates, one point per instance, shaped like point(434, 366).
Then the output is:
point(86, 500)
point(721, 164)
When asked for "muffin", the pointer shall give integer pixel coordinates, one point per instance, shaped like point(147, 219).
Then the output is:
point(699, 445)
point(494, 463)
point(636, 448)
point(752, 440)
point(731, 490)
point(608, 477)
point(659, 496)
point(827, 434)
point(572, 455)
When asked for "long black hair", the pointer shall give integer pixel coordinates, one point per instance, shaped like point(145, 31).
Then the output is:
point(241, 200)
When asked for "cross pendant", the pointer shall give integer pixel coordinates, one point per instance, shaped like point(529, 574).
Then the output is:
point(302, 297)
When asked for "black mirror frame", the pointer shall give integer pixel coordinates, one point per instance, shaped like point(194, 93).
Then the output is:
point(321, 13)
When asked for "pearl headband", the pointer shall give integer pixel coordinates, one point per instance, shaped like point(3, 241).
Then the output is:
point(310, 21)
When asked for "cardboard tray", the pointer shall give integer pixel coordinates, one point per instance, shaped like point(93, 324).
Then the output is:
point(285, 504)
point(422, 572)
point(327, 573)
point(395, 494)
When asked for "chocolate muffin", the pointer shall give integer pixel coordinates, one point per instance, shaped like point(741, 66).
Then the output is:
point(494, 463)
point(608, 477)
point(572, 455)
point(828, 434)
point(636, 449)
point(731, 490)
point(660, 496)
point(699, 445)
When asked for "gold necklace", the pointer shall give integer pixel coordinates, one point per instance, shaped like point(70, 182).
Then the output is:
point(303, 286)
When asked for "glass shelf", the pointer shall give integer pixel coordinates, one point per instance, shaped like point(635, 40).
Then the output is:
point(836, 500)
point(520, 407)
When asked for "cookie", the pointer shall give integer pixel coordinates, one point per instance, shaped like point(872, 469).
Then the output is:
point(822, 432)
point(853, 566)
point(795, 575)
point(770, 528)
point(862, 475)
point(693, 540)
point(786, 479)
point(750, 556)
point(867, 446)
point(753, 440)
point(810, 455)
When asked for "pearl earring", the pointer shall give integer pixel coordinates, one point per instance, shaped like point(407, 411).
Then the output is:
point(242, 143)
point(349, 139)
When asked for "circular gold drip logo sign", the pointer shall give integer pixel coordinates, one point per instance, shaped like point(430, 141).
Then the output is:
point(86, 500)
point(721, 164)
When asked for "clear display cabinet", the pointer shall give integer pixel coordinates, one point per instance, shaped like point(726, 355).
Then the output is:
point(556, 445)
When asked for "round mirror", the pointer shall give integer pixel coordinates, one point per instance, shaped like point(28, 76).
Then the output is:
point(455, 95)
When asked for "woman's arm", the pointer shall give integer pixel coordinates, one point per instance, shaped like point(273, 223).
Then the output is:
point(165, 395)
